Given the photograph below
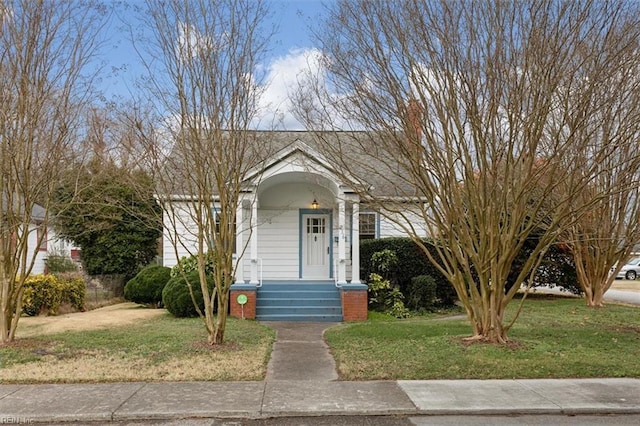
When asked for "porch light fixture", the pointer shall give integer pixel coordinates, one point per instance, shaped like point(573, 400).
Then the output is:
point(314, 204)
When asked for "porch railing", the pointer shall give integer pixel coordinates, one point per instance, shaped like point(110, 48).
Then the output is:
point(335, 273)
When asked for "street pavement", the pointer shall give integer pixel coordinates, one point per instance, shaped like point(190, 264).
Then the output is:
point(630, 297)
point(301, 383)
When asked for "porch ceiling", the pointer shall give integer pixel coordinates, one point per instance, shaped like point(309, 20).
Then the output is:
point(299, 177)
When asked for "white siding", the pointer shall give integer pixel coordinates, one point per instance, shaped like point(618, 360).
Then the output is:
point(41, 255)
point(179, 234)
point(278, 243)
point(391, 226)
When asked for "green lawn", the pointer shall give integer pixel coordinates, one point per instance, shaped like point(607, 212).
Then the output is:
point(552, 338)
point(155, 349)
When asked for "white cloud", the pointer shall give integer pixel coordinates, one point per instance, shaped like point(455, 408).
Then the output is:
point(284, 74)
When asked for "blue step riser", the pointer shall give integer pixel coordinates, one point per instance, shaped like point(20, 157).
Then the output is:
point(303, 310)
point(298, 301)
point(293, 288)
point(298, 282)
point(300, 318)
point(298, 295)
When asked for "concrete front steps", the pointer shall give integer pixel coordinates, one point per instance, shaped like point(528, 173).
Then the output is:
point(308, 301)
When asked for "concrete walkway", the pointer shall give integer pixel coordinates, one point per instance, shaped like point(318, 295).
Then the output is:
point(300, 353)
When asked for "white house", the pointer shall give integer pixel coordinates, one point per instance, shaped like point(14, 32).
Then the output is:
point(41, 241)
point(301, 226)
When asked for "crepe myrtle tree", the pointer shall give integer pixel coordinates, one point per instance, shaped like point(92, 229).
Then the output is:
point(477, 126)
point(45, 50)
point(605, 236)
point(203, 86)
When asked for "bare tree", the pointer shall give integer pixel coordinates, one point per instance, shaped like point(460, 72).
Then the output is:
point(477, 116)
point(607, 234)
point(203, 81)
point(44, 48)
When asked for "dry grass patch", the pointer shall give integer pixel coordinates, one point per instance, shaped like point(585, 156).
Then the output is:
point(118, 315)
point(127, 343)
point(97, 367)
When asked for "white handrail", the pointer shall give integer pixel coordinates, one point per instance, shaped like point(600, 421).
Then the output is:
point(259, 272)
point(335, 273)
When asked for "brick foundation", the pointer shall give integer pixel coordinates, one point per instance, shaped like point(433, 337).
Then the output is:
point(248, 311)
point(354, 303)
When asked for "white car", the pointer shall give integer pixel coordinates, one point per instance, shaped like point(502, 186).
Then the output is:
point(630, 271)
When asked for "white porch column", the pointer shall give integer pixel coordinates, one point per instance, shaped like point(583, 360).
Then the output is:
point(239, 246)
point(253, 242)
point(342, 236)
point(355, 244)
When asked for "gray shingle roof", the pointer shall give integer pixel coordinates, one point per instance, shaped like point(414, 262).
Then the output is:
point(355, 156)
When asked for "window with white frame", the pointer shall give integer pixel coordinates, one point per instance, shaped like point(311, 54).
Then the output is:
point(368, 226)
point(232, 225)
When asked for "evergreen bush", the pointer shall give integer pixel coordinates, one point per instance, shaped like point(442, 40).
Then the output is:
point(146, 287)
point(411, 262)
point(177, 298)
point(385, 298)
point(74, 290)
point(422, 293)
point(187, 264)
point(42, 294)
point(59, 264)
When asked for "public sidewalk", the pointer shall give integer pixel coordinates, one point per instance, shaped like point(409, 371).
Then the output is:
point(181, 400)
point(301, 381)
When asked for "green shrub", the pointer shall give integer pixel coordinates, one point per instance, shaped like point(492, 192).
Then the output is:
point(74, 290)
point(42, 295)
point(557, 268)
point(146, 287)
point(187, 264)
point(422, 293)
point(385, 298)
point(411, 262)
point(59, 264)
point(384, 262)
point(177, 298)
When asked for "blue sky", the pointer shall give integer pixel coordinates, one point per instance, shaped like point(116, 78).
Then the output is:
point(289, 52)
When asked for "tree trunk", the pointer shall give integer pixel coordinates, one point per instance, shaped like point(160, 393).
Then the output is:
point(221, 320)
point(594, 298)
point(5, 312)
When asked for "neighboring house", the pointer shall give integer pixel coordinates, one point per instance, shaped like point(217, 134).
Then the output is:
point(49, 242)
point(35, 229)
point(302, 225)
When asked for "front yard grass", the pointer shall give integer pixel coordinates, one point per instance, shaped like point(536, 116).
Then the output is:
point(552, 338)
point(162, 348)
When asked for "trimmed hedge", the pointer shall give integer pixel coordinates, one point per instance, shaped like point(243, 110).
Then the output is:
point(412, 262)
point(177, 298)
point(557, 268)
point(147, 286)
